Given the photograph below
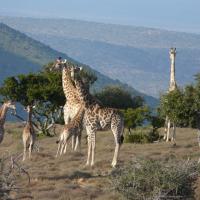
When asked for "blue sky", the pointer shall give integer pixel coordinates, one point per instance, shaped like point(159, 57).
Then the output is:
point(181, 15)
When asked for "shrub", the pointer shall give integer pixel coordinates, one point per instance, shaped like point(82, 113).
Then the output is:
point(142, 136)
point(10, 172)
point(155, 180)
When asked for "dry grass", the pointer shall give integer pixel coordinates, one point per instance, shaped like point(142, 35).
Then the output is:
point(67, 177)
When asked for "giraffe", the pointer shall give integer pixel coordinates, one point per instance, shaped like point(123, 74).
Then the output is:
point(172, 87)
point(28, 135)
point(3, 111)
point(72, 104)
point(96, 118)
point(74, 127)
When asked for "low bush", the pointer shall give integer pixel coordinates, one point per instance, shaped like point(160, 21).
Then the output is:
point(142, 136)
point(156, 180)
point(10, 172)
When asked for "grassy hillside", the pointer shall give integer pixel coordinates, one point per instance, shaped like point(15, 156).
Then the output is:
point(22, 54)
point(130, 54)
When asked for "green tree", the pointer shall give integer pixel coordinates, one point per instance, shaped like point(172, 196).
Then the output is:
point(116, 97)
point(172, 105)
point(135, 117)
point(44, 90)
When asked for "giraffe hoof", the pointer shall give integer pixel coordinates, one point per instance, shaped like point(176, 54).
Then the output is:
point(114, 165)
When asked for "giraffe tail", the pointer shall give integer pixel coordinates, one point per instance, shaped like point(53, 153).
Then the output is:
point(57, 141)
point(121, 139)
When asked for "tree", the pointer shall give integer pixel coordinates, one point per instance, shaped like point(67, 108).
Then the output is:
point(135, 117)
point(172, 105)
point(116, 97)
point(44, 90)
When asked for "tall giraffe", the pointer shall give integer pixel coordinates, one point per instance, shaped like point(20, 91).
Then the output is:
point(3, 111)
point(96, 118)
point(172, 87)
point(72, 104)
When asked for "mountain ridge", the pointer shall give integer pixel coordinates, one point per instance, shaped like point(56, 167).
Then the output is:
point(138, 56)
point(15, 45)
point(116, 34)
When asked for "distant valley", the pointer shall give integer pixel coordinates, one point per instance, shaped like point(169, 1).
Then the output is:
point(135, 55)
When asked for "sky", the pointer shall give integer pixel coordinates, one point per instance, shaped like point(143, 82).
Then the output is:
point(181, 15)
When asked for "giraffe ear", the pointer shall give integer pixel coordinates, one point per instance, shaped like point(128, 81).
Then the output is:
point(64, 61)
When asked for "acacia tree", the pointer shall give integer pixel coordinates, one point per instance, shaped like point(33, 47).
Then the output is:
point(44, 90)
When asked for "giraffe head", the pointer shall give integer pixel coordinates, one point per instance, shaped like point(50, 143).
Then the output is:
point(29, 108)
point(172, 53)
point(60, 64)
point(11, 105)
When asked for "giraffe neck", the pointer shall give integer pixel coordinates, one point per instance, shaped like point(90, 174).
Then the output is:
point(29, 118)
point(83, 94)
point(172, 85)
point(68, 86)
point(3, 114)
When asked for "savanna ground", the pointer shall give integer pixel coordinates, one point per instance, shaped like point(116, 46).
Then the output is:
point(67, 177)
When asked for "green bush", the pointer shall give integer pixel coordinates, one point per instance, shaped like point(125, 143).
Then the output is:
point(156, 180)
point(142, 136)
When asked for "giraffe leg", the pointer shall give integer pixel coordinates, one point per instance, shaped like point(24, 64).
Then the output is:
point(78, 141)
point(73, 142)
point(89, 149)
point(59, 145)
point(93, 142)
point(30, 148)
point(24, 153)
point(168, 130)
point(65, 148)
point(165, 130)
point(116, 153)
point(174, 134)
point(62, 147)
point(117, 127)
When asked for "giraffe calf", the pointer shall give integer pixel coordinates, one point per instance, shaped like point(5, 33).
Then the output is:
point(74, 128)
point(28, 135)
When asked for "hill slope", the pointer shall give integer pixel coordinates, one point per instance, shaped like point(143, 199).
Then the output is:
point(130, 54)
point(21, 54)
